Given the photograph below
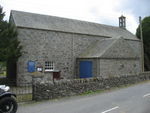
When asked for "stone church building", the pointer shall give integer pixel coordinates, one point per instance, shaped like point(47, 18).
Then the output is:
point(74, 48)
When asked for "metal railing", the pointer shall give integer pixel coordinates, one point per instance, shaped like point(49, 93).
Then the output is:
point(6, 81)
point(24, 93)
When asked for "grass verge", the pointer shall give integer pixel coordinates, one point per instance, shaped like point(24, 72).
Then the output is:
point(24, 97)
point(112, 88)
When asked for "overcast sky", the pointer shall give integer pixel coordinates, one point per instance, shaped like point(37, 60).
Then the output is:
point(99, 11)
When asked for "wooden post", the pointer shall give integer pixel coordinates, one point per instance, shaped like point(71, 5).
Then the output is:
point(142, 44)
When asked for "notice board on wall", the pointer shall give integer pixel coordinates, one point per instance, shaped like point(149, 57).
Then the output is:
point(31, 66)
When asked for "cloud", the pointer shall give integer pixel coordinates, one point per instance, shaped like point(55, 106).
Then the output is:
point(132, 9)
point(136, 7)
point(99, 11)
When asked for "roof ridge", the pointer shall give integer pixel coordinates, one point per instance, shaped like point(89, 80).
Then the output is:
point(66, 18)
point(53, 23)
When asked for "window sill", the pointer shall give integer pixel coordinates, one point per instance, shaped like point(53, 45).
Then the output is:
point(50, 71)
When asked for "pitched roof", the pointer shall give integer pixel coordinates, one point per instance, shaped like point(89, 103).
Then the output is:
point(110, 48)
point(45, 22)
point(97, 48)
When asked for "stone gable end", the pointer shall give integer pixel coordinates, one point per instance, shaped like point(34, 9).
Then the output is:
point(119, 49)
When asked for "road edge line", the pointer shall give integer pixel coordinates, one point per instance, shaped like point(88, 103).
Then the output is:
point(148, 94)
point(110, 109)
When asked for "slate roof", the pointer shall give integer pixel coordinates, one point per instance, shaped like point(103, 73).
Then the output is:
point(96, 49)
point(45, 22)
point(110, 48)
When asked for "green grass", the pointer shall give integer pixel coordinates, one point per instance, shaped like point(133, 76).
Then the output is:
point(24, 97)
point(2, 68)
point(111, 89)
point(92, 92)
point(3, 74)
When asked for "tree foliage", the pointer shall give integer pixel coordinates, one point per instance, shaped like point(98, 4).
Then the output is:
point(146, 40)
point(145, 30)
point(10, 48)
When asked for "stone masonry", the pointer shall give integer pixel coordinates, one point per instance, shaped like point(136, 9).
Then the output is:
point(48, 38)
point(43, 90)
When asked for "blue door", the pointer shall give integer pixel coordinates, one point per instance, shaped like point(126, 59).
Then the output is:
point(31, 66)
point(85, 69)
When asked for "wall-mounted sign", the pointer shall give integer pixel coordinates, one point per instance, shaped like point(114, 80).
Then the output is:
point(39, 68)
point(31, 66)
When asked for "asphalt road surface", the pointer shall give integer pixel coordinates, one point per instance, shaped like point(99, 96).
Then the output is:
point(134, 99)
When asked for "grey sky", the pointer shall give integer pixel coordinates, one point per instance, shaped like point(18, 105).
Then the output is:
point(99, 11)
point(136, 7)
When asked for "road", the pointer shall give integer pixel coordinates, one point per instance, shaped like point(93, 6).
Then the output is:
point(134, 99)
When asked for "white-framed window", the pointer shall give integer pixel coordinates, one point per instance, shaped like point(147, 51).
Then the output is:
point(49, 66)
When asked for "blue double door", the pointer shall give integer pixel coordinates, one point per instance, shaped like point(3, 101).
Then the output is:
point(85, 69)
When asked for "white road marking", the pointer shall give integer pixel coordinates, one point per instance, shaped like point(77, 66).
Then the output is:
point(146, 95)
point(110, 109)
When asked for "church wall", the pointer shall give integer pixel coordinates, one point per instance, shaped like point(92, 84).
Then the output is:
point(61, 48)
point(113, 67)
point(136, 46)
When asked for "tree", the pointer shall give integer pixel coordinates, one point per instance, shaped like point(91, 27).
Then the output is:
point(10, 48)
point(146, 40)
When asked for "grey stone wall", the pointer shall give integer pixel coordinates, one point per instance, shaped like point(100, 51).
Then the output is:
point(41, 46)
point(47, 90)
point(136, 46)
point(60, 47)
point(113, 67)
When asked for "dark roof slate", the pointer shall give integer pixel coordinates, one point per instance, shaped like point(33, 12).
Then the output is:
point(45, 22)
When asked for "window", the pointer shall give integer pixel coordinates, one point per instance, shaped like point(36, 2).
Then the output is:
point(49, 66)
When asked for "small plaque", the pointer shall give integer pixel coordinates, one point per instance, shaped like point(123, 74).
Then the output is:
point(39, 69)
